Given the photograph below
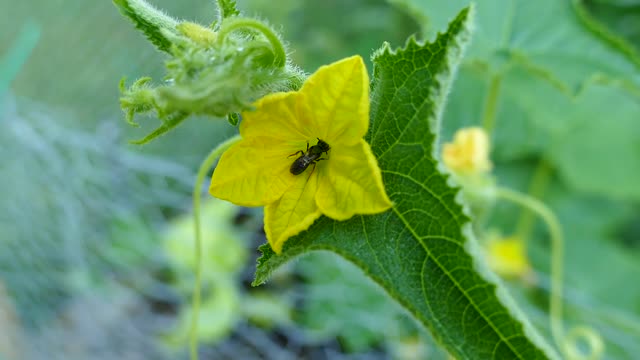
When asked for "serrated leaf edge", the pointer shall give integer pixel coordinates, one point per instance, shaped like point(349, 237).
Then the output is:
point(470, 245)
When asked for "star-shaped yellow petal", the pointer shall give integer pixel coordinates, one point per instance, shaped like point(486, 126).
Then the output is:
point(294, 212)
point(338, 95)
point(339, 181)
point(351, 183)
point(253, 172)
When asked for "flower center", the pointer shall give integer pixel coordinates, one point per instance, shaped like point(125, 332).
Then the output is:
point(311, 156)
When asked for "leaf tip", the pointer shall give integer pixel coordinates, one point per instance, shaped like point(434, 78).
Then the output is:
point(122, 84)
point(129, 117)
point(263, 270)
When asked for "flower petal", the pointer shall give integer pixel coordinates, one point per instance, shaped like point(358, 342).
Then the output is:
point(351, 183)
point(253, 172)
point(338, 95)
point(294, 212)
point(281, 116)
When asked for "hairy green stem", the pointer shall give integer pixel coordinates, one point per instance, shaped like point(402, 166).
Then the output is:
point(202, 173)
point(491, 104)
point(151, 21)
point(227, 8)
point(566, 343)
point(231, 24)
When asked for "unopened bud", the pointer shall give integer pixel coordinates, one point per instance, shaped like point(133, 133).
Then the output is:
point(468, 154)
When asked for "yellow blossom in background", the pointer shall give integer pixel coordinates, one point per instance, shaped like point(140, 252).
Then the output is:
point(332, 106)
point(508, 257)
point(468, 153)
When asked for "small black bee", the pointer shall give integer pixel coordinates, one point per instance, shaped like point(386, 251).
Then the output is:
point(311, 156)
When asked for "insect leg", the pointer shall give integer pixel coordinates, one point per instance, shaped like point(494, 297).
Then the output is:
point(296, 153)
point(314, 165)
point(312, 170)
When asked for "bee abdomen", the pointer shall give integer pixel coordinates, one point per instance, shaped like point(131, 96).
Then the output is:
point(300, 165)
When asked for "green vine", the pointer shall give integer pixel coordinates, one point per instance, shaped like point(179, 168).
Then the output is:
point(539, 182)
point(202, 173)
point(491, 103)
point(566, 342)
point(233, 24)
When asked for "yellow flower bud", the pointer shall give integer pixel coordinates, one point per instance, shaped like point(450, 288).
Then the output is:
point(508, 257)
point(198, 33)
point(468, 154)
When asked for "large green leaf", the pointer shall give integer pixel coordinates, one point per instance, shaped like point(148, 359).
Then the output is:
point(549, 36)
point(595, 140)
point(568, 90)
point(592, 139)
point(620, 16)
point(420, 251)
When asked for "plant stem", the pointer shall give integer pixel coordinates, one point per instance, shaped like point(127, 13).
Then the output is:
point(202, 173)
point(231, 24)
point(539, 182)
point(566, 344)
point(491, 104)
point(555, 231)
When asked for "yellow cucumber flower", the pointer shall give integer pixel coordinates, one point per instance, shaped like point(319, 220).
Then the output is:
point(468, 153)
point(321, 129)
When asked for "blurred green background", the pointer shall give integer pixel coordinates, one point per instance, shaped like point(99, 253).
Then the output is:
point(95, 234)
